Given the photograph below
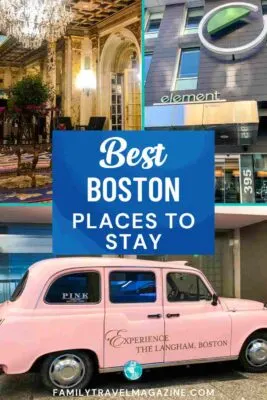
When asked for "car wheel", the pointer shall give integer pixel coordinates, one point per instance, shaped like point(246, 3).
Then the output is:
point(67, 370)
point(253, 356)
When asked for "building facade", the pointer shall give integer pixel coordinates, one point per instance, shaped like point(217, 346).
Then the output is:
point(25, 238)
point(238, 268)
point(212, 75)
point(205, 68)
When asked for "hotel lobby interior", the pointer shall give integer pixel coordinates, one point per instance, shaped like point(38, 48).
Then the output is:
point(64, 64)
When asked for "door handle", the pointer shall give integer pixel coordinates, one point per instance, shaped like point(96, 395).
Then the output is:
point(154, 316)
point(173, 315)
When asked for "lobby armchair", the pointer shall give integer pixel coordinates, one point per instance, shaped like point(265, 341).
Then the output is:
point(95, 124)
point(63, 124)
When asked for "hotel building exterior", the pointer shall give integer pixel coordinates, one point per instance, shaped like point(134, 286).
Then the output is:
point(190, 86)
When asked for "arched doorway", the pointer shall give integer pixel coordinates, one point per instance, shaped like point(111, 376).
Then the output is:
point(119, 77)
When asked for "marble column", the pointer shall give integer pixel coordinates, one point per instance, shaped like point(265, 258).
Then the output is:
point(7, 78)
point(67, 82)
point(76, 67)
point(43, 70)
point(51, 70)
point(86, 97)
point(22, 73)
point(52, 83)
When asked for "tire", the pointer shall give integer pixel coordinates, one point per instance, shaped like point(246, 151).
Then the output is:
point(67, 370)
point(253, 356)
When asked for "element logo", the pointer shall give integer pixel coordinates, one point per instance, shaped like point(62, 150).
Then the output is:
point(224, 16)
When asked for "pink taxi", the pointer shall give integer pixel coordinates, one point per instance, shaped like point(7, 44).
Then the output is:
point(70, 318)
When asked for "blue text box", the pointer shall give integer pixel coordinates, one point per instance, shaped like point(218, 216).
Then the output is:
point(161, 203)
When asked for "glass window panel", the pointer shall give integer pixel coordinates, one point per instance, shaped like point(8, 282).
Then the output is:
point(186, 84)
point(156, 15)
point(154, 25)
point(119, 89)
point(189, 63)
point(227, 180)
point(204, 293)
point(30, 229)
point(260, 161)
point(132, 287)
point(186, 287)
point(195, 13)
point(77, 288)
point(26, 244)
point(260, 177)
point(194, 16)
point(264, 7)
point(148, 59)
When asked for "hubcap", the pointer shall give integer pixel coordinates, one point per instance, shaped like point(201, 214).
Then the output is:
point(256, 353)
point(67, 371)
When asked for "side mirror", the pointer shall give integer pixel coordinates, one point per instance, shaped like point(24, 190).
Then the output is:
point(214, 299)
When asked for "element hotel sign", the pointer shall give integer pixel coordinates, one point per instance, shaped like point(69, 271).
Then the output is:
point(224, 16)
point(192, 98)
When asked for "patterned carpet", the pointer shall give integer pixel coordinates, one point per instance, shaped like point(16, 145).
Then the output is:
point(20, 184)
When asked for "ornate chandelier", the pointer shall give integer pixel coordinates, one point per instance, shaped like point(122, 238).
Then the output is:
point(33, 21)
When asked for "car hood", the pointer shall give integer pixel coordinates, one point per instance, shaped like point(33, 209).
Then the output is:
point(241, 305)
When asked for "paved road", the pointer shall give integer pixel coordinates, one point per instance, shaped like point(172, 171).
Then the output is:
point(206, 382)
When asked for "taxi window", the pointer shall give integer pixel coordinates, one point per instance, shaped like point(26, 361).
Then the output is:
point(132, 287)
point(78, 288)
point(19, 289)
point(186, 287)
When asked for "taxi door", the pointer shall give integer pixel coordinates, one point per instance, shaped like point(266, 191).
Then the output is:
point(134, 324)
point(195, 329)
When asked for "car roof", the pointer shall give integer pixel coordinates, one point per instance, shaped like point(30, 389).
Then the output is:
point(54, 265)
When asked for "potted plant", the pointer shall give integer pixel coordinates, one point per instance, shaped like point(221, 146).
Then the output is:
point(28, 102)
